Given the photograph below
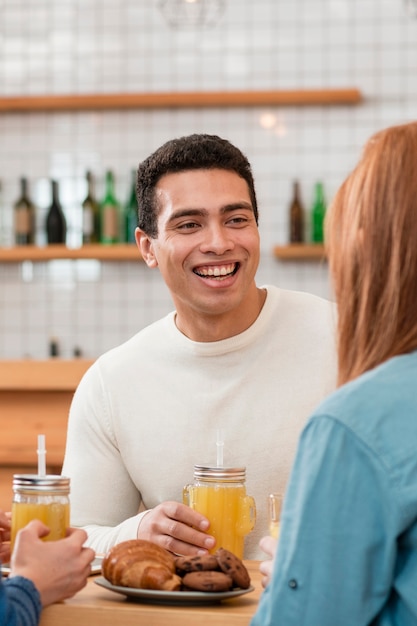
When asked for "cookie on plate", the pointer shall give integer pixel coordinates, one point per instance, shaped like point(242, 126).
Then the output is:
point(230, 564)
point(185, 564)
point(207, 581)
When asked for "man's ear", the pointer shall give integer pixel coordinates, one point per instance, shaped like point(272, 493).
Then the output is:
point(145, 245)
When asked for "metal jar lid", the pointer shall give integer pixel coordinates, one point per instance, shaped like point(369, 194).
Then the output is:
point(33, 482)
point(221, 474)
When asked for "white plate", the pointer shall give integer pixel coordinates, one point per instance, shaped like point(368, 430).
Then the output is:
point(95, 567)
point(173, 597)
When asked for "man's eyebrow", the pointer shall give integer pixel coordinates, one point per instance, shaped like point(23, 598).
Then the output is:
point(236, 206)
point(227, 208)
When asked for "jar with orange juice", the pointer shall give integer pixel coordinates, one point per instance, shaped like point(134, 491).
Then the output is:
point(219, 493)
point(45, 498)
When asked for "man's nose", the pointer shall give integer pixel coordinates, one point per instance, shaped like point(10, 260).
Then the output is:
point(217, 239)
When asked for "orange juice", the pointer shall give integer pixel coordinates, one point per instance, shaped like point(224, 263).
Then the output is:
point(54, 515)
point(230, 511)
point(274, 529)
point(43, 498)
point(274, 503)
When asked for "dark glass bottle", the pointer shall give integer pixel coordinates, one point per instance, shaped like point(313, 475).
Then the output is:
point(318, 213)
point(131, 212)
point(91, 213)
point(56, 226)
point(24, 217)
point(296, 216)
point(110, 213)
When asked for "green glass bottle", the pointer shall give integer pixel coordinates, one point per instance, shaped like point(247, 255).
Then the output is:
point(110, 213)
point(56, 225)
point(131, 212)
point(91, 213)
point(318, 213)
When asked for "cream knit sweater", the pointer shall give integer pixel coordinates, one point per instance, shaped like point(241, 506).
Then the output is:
point(147, 411)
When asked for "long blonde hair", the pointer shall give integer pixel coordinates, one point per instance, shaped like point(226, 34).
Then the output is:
point(371, 235)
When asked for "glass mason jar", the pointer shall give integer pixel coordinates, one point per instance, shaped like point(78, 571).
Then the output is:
point(219, 493)
point(44, 498)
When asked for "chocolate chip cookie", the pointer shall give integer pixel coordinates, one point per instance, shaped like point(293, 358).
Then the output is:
point(204, 562)
point(207, 581)
point(230, 564)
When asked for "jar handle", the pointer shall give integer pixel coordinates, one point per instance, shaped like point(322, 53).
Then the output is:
point(247, 516)
point(186, 494)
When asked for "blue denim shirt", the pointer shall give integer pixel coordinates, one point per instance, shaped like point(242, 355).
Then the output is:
point(347, 554)
point(20, 603)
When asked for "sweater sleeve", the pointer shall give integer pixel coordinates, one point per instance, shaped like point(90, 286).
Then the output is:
point(20, 603)
point(337, 548)
point(96, 468)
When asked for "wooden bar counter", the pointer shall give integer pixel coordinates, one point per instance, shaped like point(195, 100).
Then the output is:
point(35, 397)
point(96, 606)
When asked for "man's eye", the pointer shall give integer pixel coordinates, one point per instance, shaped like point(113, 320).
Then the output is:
point(238, 220)
point(187, 226)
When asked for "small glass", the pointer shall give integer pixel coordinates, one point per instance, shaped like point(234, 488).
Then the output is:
point(274, 513)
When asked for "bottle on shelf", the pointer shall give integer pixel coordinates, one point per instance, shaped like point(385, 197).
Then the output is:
point(56, 226)
point(53, 347)
point(24, 217)
point(91, 213)
point(110, 213)
point(296, 216)
point(131, 212)
point(318, 213)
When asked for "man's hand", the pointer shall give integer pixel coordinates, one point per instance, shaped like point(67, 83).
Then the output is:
point(269, 546)
point(177, 528)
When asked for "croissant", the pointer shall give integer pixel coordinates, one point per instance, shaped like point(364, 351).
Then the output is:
point(142, 565)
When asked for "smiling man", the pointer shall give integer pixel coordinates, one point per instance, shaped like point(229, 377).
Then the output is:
point(252, 361)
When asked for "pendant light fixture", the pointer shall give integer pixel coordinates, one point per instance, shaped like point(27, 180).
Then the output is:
point(411, 7)
point(191, 13)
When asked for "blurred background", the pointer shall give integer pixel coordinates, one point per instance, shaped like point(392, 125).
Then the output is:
point(145, 46)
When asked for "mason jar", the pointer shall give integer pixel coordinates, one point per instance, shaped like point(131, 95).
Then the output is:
point(219, 493)
point(45, 498)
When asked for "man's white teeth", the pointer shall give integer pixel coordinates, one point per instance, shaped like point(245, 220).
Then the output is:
point(223, 270)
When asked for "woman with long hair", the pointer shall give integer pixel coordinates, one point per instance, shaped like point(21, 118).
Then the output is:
point(347, 554)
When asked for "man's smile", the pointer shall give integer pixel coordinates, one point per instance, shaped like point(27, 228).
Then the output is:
point(219, 272)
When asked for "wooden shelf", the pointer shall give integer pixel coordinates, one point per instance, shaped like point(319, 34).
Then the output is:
point(115, 252)
point(84, 102)
point(300, 252)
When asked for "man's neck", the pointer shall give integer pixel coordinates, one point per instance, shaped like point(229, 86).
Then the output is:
point(209, 328)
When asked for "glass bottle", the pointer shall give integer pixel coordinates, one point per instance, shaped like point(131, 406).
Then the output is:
point(131, 212)
point(41, 497)
point(91, 213)
point(56, 226)
point(219, 493)
point(24, 217)
point(110, 213)
point(296, 216)
point(318, 213)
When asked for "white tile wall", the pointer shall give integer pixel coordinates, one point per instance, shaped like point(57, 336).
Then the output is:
point(90, 46)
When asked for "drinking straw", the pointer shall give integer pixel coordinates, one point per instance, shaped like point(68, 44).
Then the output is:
point(41, 456)
point(220, 445)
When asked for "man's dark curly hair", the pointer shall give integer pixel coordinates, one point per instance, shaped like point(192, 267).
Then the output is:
point(193, 152)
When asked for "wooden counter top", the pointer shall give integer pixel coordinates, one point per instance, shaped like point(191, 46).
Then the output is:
point(35, 398)
point(49, 375)
point(96, 606)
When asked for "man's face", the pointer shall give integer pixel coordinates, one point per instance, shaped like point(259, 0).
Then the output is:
point(207, 247)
